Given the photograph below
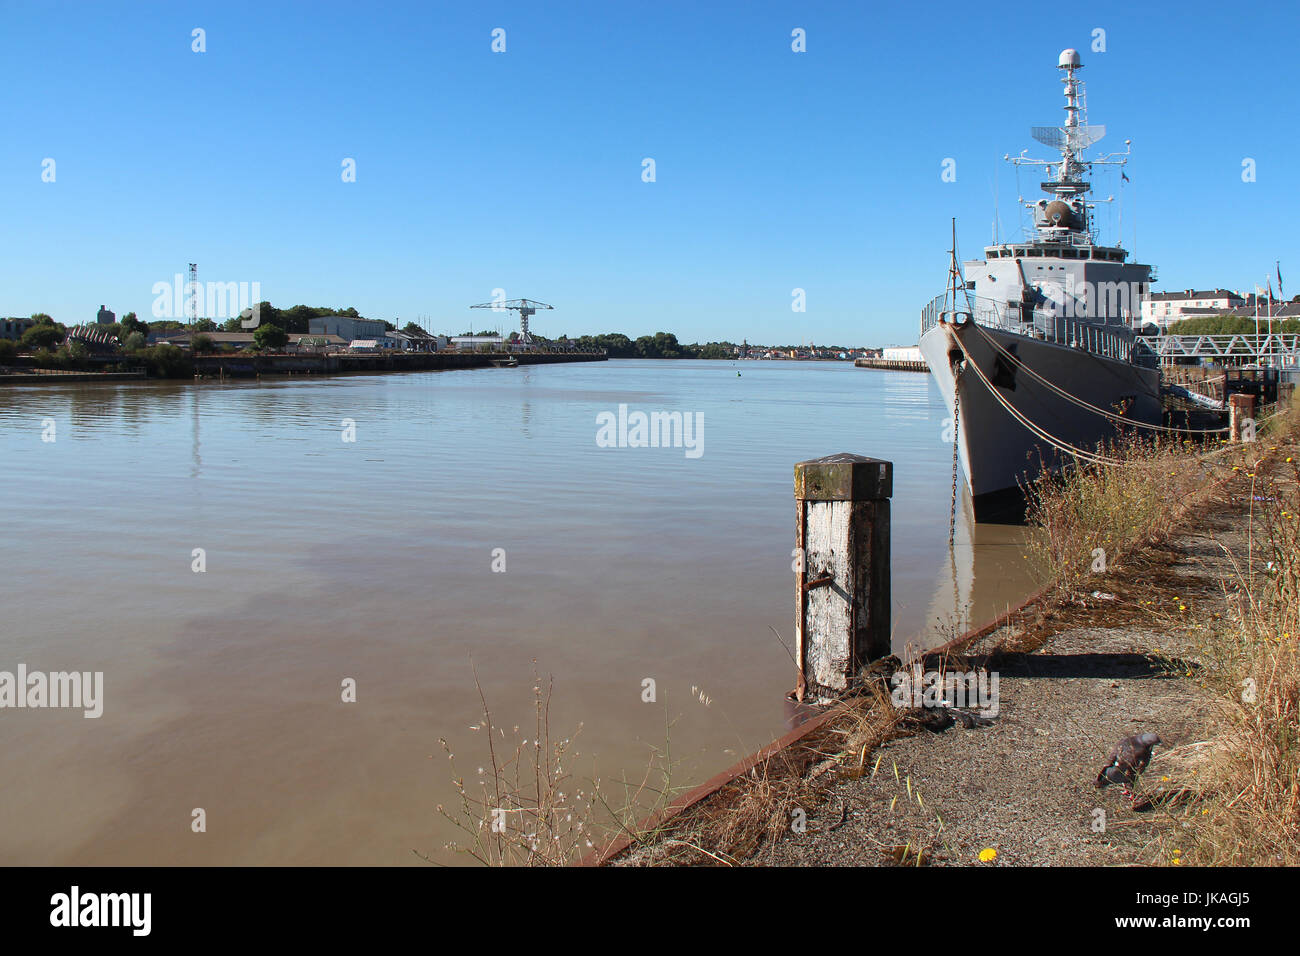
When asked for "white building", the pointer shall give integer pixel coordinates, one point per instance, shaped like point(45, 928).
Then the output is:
point(475, 343)
point(1162, 308)
point(901, 353)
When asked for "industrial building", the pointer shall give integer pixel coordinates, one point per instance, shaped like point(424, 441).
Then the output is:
point(346, 327)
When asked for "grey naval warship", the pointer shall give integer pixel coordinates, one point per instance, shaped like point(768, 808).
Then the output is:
point(1033, 346)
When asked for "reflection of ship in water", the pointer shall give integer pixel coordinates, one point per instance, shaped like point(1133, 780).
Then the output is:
point(985, 575)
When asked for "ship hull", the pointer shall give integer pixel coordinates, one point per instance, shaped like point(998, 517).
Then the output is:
point(998, 454)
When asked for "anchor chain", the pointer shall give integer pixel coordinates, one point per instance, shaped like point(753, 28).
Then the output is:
point(956, 438)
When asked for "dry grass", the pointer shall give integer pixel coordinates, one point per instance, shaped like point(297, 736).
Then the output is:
point(526, 807)
point(778, 795)
point(1089, 520)
point(1249, 811)
point(1232, 798)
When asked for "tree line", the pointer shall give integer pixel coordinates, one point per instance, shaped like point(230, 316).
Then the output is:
point(661, 345)
point(1231, 325)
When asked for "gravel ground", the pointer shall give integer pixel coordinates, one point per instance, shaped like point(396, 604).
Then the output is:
point(1024, 785)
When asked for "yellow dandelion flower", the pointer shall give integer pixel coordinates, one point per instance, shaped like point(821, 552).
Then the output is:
point(988, 855)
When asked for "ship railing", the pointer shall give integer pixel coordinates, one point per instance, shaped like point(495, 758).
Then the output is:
point(1114, 341)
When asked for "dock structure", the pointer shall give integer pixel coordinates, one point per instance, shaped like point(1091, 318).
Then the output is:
point(897, 358)
point(334, 363)
point(895, 365)
point(63, 376)
point(842, 588)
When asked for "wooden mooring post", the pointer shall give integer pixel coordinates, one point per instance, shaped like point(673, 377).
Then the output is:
point(842, 564)
point(1240, 408)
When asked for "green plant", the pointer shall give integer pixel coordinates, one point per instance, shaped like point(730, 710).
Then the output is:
point(270, 337)
point(165, 361)
point(43, 335)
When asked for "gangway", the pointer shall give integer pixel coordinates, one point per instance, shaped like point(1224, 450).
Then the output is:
point(1279, 348)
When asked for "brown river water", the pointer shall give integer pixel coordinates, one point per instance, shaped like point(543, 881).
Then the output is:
point(372, 560)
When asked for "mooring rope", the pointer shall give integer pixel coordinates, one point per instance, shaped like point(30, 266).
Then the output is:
point(1057, 443)
point(1090, 457)
point(1083, 404)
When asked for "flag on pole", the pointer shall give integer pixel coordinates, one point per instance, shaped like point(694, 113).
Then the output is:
point(1280, 293)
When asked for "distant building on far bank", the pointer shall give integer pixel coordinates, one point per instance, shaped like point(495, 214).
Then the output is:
point(419, 341)
point(181, 339)
point(475, 343)
point(13, 328)
point(316, 343)
point(346, 327)
point(105, 316)
point(901, 353)
point(1164, 308)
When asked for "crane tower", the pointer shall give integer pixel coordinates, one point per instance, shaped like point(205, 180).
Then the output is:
point(526, 309)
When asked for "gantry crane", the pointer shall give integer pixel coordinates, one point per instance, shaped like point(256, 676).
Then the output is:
point(525, 308)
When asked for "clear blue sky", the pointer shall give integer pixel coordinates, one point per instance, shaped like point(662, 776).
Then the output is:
point(477, 170)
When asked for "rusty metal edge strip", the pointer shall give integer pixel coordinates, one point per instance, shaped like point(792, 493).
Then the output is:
point(711, 786)
point(715, 783)
point(718, 781)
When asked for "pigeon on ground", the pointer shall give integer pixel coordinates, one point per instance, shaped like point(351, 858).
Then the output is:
point(1129, 758)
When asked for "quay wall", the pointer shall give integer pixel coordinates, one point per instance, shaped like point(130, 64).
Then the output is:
point(60, 377)
point(238, 365)
point(894, 365)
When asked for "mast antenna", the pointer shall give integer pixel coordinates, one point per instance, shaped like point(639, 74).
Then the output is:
point(955, 281)
point(194, 300)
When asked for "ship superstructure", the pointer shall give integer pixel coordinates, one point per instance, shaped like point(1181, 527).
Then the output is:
point(1032, 346)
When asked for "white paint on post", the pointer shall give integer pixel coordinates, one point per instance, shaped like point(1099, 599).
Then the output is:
point(842, 585)
point(828, 611)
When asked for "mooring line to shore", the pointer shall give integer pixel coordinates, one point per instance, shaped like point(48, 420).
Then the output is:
point(1014, 359)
